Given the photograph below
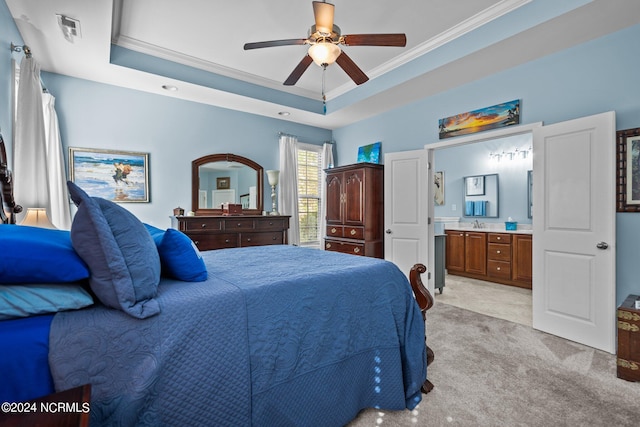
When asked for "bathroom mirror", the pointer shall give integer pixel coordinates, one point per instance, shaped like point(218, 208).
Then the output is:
point(481, 195)
point(220, 178)
point(530, 194)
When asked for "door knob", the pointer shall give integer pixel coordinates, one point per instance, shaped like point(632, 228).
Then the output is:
point(602, 245)
point(388, 231)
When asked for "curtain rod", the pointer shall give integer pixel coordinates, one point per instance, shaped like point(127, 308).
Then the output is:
point(296, 136)
point(24, 48)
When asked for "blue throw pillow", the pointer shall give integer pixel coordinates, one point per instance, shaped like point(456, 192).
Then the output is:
point(32, 299)
point(121, 255)
point(38, 255)
point(179, 256)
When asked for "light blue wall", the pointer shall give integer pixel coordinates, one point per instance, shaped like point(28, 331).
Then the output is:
point(467, 160)
point(598, 76)
point(8, 33)
point(173, 131)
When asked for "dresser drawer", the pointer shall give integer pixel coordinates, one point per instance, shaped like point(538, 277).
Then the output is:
point(499, 252)
point(260, 239)
point(499, 238)
point(236, 224)
point(501, 269)
point(334, 231)
point(345, 248)
point(354, 232)
point(267, 224)
point(207, 242)
point(203, 224)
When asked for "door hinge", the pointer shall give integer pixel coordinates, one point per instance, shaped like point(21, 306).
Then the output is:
point(429, 221)
point(428, 275)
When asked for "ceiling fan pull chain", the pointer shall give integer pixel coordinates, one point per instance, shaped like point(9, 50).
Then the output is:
point(324, 97)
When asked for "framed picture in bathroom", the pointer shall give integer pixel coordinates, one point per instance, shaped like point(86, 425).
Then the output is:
point(628, 170)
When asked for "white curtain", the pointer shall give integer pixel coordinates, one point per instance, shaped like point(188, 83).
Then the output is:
point(40, 178)
point(59, 212)
point(31, 189)
point(288, 185)
point(327, 162)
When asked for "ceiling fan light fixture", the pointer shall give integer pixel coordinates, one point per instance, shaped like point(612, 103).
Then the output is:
point(324, 53)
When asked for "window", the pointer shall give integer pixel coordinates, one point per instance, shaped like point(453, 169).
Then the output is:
point(309, 193)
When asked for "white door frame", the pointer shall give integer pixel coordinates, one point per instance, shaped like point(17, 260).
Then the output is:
point(454, 142)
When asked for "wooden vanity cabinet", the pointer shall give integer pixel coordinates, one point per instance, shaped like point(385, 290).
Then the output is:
point(475, 253)
point(220, 232)
point(493, 256)
point(466, 252)
point(355, 209)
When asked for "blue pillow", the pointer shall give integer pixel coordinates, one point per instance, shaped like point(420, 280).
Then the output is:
point(38, 255)
point(179, 256)
point(121, 255)
point(32, 299)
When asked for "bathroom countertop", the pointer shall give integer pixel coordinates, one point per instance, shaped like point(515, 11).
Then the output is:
point(489, 228)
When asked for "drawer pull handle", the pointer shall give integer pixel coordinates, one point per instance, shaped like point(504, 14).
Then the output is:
point(328, 245)
point(274, 238)
point(498, 268)
point(353, 232)
point(498, 238)
point(498, 252)
point(239, 224)
point(356, 250)
point(270, 222)
point(203, 225)
point(333, 231)
point(226, 241)
point(196, 242)
point(249, 239)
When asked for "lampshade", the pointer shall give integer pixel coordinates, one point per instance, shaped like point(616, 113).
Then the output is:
point(37, 217)
point(273, 176)
point(324, 53)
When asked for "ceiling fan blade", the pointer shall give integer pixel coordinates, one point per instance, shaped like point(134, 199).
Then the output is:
point(350, 67)
point(274, 43)
point(323, 13)
point(399, 40)
point(298, 71)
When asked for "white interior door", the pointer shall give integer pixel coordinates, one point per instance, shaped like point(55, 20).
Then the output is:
point(406, 192)
point(574, 230)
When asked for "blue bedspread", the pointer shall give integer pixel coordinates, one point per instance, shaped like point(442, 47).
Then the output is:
point(277, 335)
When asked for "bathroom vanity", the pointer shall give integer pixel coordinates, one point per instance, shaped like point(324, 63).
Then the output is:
point(491, 254)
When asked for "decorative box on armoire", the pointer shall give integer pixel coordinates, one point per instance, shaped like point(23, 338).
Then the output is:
point(355, 210)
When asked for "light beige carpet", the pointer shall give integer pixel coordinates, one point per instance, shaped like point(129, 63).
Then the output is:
point(493, 372)
point(493, 299)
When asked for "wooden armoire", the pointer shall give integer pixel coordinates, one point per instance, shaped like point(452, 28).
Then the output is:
point(355, 210)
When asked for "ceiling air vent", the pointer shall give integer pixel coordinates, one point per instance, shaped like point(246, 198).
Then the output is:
point(70, 27)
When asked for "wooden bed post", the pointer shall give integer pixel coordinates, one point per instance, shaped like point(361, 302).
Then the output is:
point(425, 302)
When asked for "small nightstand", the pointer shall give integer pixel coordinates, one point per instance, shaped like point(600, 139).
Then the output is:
point(629, 340)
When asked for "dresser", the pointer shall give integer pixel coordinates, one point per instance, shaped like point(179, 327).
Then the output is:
point(219, 232)
point(355, 210)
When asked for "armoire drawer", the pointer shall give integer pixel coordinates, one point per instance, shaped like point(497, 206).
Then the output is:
point(334, 231)
point(344, 247)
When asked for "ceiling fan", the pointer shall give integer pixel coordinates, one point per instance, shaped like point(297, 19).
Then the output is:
point(324, 40)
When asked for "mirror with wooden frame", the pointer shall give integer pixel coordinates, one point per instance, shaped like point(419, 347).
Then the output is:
point(220, 178)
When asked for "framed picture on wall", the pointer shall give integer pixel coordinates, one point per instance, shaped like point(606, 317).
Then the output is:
point(438, 188)
point(474, 185)
point(119, 176)
point(628, 170)
point(223, 183)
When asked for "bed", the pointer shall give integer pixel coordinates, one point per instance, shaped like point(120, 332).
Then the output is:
point(272, 335)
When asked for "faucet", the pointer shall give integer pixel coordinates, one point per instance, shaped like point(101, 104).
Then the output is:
point(476, 224)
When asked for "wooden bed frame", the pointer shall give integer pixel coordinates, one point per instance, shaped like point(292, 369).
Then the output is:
point(425, 302)
point(7, 216)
